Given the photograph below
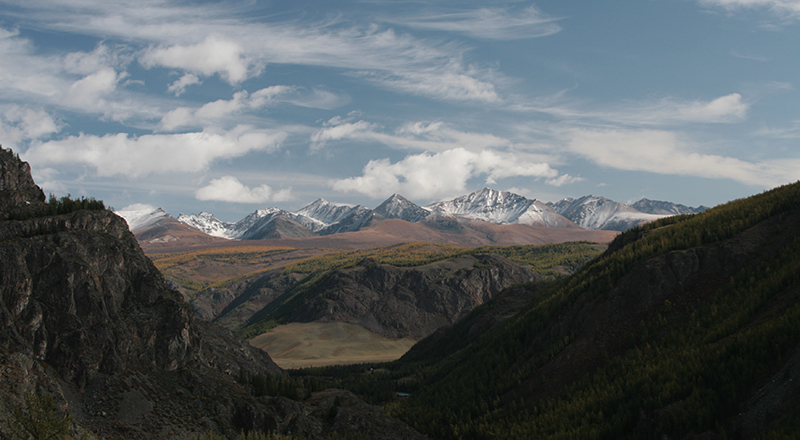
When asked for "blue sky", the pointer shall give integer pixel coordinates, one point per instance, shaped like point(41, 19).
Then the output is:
point(231, 106)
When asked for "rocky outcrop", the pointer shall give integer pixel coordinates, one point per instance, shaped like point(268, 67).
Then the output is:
point(17, 190)
point(87, 318)
point(411, 302)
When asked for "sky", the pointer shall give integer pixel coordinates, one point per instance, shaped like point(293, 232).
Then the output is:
point(232, 106)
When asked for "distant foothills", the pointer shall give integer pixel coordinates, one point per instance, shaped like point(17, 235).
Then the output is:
point(323, 218)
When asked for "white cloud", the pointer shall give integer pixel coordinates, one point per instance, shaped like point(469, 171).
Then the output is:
point(667, 111)
point(418, 136)
point(230, 189)
point(179, 117)
point(564, 179)
point(102, 57)
point(121, 154)
point(90, 90)
point(489, 23)
point(440, 84)
point(664, 152)
point(208, 39)
point(780, 7)
point(23, 73)
point(242, 101)
point(336, 130)
point(179, 86)
point(725, 109)
point(18, 124)
point(214, 55)
point(222, 107)
point(47, 179)
point(430, 176)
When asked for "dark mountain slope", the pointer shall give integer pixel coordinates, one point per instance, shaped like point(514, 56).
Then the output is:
point(86, 318)
point(687, 328)
point(394, 301)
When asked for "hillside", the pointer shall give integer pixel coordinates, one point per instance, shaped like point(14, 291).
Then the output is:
point(688, 327)
point(90, 324)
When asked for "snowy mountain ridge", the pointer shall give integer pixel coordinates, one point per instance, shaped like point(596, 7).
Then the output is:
point(501, 207)
point(401, 208)
point(140, 216)
point(322, 217)
point(591, 212)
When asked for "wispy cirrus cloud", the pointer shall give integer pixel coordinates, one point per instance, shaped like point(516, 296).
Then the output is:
point(416, 136)
point(242, 101)
point(783, 8)
point(665, 152)
point(210, 39)
point(730, 108)
point(489, 23)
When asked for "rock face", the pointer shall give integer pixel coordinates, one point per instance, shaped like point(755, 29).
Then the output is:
point(413, 302)
point(86, 317)
point(17, 190)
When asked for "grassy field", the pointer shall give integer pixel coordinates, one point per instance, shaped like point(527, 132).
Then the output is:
point(300, 345)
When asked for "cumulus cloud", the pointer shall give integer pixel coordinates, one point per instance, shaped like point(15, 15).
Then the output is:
point(121, 154)
point(230, 189)
point(663, 152)
point(489, 23)
point(90, 90)
point(430, 176)
point(179, 86)
point(214, 55)
point(18, 124)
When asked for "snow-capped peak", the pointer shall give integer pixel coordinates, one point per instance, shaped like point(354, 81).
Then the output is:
point(326, 212)
point(487, 205)
point(399, 207)
point(140, 216)
point(501, 207)
point(591, 212)
point(207, 223)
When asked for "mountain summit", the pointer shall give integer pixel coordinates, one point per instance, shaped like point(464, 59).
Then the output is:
point(401, 208)
point(501, 207)
point(322, 217)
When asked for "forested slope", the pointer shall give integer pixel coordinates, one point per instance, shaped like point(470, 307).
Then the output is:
point(688, 327)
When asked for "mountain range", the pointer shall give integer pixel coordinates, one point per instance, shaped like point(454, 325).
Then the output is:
point(685, 328)
point(322, 218)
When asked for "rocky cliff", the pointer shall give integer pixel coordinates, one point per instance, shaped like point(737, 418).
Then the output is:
point(402, 302)
point(86, 317)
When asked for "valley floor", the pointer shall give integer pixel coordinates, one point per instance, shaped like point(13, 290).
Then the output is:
point(300, 345)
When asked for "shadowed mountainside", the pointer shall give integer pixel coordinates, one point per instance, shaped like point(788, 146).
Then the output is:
point(87, 319)
point(686, 328)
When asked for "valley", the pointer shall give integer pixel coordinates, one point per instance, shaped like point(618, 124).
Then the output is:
point(261, 292)
point(687, 327)
point(316, 344)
